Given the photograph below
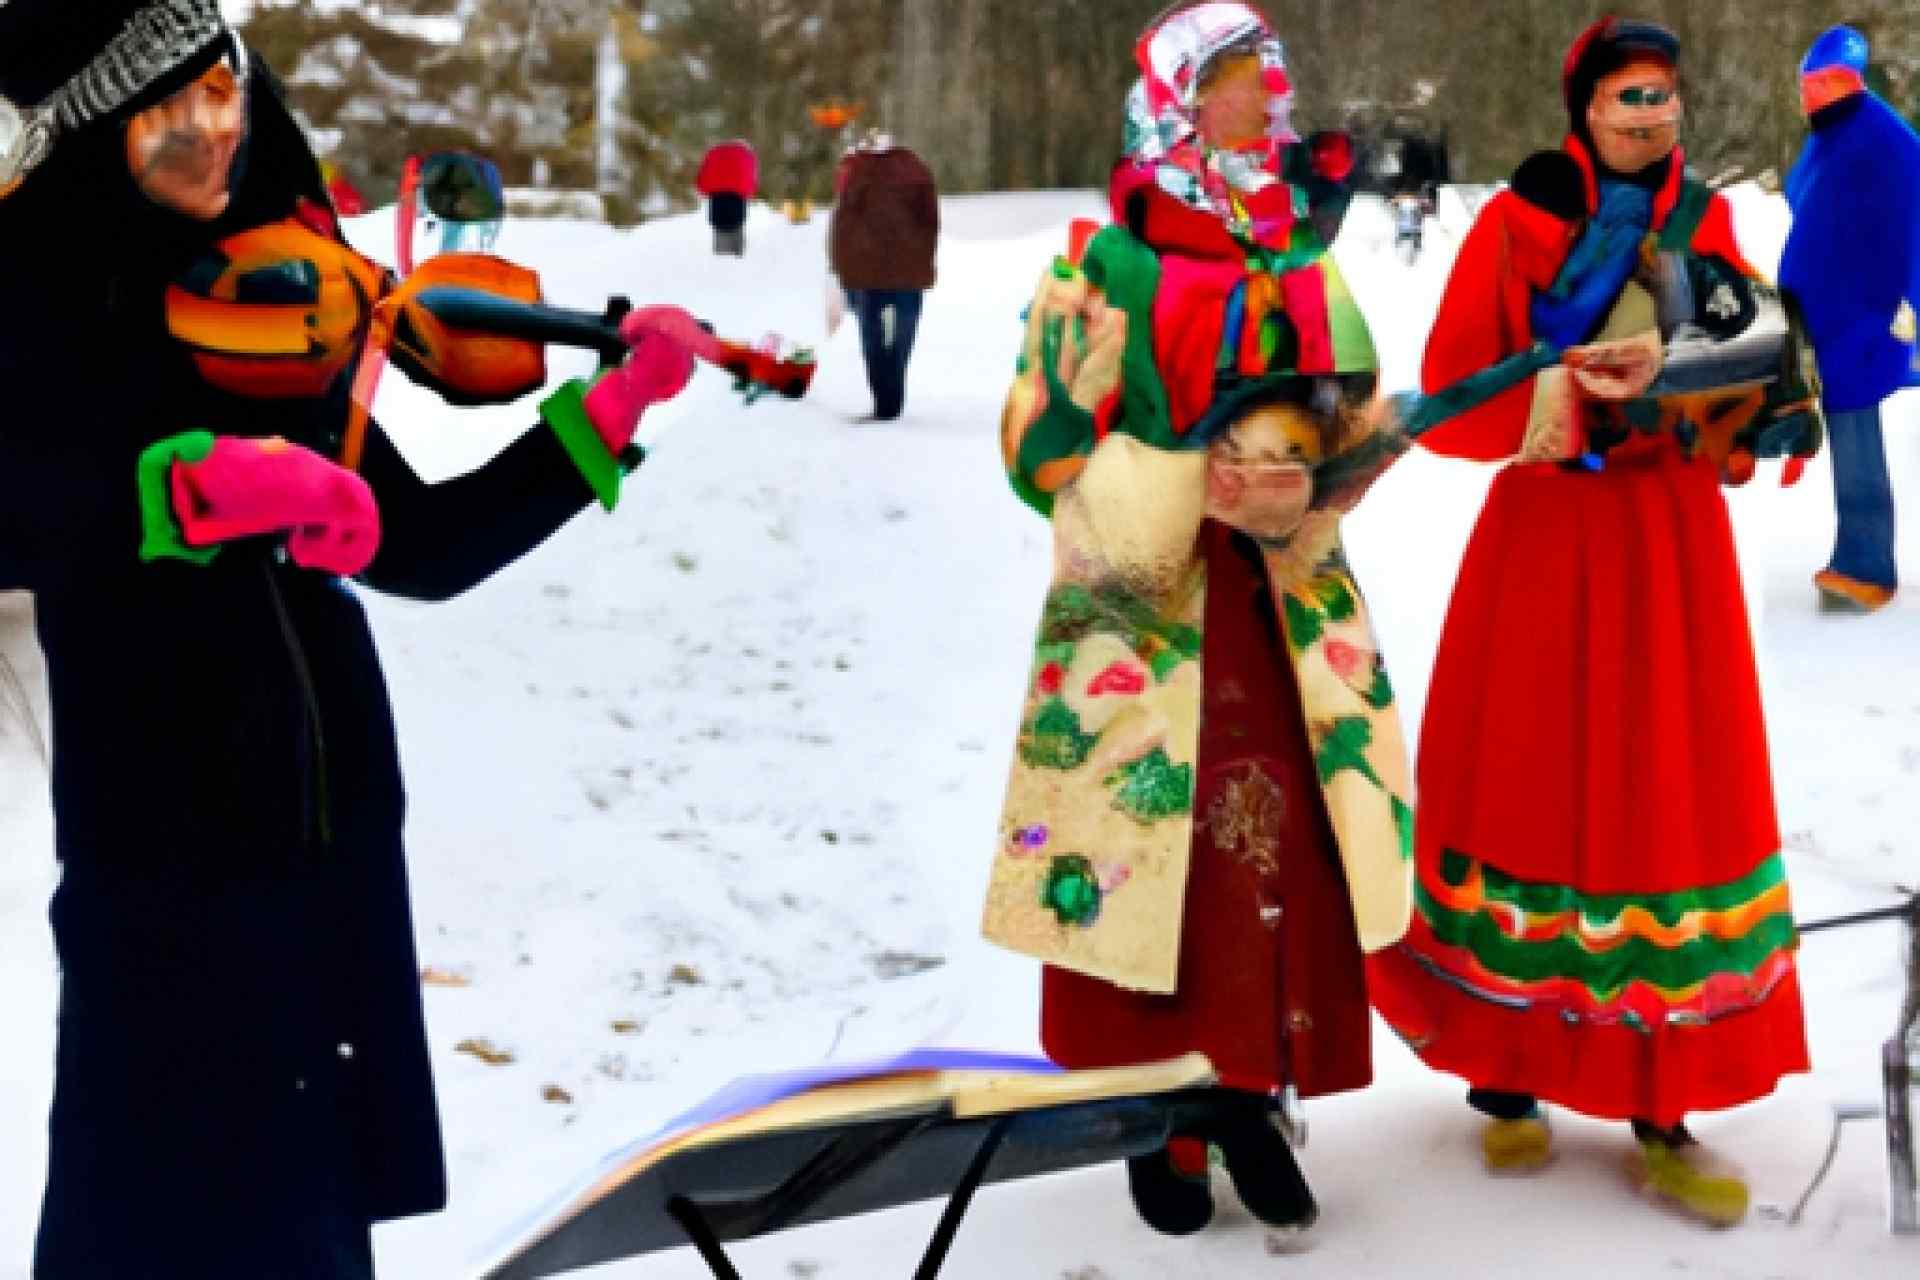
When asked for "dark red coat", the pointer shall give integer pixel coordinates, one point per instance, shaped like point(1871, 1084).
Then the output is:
point(886, 221)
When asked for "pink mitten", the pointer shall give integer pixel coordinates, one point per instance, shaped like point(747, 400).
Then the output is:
point(245, 487)
point(675, 323)
point(665, 341)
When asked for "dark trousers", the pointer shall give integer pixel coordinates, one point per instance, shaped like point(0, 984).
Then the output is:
point(889, 318)
point(727, 213)
point(1862, 498)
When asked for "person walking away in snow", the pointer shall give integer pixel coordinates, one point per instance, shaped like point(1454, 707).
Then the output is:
point(1602, 913)
point(1207, 817)
point(881, 243)
point(729, 178)
point(242, 1083)
point(1409, 220)
point(1852, 262)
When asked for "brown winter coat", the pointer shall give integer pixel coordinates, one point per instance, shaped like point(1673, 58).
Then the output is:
point(886, 221)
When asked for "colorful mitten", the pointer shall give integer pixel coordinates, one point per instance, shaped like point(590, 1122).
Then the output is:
point(198, 491)
point(1069, 372)
point(675, 323)
point(596, 424)
point(660, 365)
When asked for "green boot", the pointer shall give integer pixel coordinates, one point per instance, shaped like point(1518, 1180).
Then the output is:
point(1517, 1146)
point(1685, 1175)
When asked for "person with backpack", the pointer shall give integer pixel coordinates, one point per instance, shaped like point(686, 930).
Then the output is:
point(882, 242)
point(1409, 222)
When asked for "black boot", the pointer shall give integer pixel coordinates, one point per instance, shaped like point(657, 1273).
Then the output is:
point(1171, 1202)
point(1261, 1163)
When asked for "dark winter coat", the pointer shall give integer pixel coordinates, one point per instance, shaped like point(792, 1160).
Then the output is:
point(243, 1081)
point(1853, 255)
point(886, 221)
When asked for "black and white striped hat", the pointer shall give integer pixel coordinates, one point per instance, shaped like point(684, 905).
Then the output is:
point(67, 63)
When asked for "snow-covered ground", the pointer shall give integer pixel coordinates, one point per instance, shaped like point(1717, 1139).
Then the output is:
point(709, 786)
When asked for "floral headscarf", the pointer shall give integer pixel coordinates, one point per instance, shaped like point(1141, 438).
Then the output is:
point(1162, 129)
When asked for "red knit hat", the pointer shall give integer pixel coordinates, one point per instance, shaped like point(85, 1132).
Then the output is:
point(1605, 47)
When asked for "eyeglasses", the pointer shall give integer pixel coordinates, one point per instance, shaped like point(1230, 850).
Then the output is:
point(1638, 95)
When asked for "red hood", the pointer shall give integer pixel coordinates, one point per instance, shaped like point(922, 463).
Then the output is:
point(1537, 241)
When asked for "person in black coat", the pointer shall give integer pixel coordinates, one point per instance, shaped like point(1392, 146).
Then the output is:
point(242, 1080)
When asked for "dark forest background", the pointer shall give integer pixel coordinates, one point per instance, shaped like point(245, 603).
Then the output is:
point(621, 97)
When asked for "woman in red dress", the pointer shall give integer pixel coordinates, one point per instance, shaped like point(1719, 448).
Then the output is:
point(1601, 913)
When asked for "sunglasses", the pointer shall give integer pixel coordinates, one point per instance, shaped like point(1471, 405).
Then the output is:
point(1637, 95)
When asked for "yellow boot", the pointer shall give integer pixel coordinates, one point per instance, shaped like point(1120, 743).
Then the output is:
point(1688, 1178)
point(1516, 1146)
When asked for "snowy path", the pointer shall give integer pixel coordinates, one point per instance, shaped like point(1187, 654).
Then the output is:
point(708, 786)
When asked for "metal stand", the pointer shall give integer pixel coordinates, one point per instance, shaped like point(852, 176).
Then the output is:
point(1899, 1064)
point(712, 1195)
point(771, 1212)
point(1900, 1072)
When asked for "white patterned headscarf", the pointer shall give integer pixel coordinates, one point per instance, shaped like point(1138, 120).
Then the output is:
point(156, 39)
point(1162, 128)
point(1174, 54)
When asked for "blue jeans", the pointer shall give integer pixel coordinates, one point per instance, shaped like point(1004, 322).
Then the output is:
point(1862, 498)
point(889, 318)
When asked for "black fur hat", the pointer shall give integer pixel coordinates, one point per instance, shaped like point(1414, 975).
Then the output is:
point(66, 64)
point(101, 54)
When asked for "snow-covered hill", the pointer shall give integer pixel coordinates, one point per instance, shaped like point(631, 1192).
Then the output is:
point(709, 786)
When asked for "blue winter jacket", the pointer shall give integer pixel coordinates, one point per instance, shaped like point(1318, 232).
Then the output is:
point(1853, 255)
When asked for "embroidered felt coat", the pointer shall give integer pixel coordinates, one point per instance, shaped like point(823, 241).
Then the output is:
point(1100, 826)
point(1601, 913)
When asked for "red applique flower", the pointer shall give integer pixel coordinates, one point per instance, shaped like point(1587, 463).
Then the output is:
point(1119, 677)
point(1051, 677)
point(1344, 658)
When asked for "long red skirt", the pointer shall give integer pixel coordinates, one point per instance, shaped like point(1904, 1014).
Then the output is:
point(1601, 914)
point(1272, 987)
